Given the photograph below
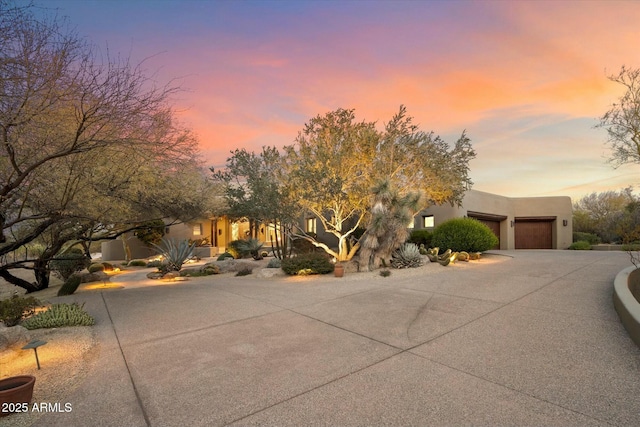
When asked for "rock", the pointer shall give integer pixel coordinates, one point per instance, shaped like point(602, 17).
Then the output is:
point(154, 275)
point(172, 275)
point(266, 273)
point(13, 336)
point(234, 265)
point(98, 276)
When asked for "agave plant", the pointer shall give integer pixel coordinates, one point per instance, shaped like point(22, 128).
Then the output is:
point(407, 256)
point(249, 246)
point(175, 253)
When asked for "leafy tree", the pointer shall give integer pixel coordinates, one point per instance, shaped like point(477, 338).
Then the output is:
point(89, 147)
point(603, 213)
point(622, 121)
point(336, 160)
point(253, 190)
point(151, 231)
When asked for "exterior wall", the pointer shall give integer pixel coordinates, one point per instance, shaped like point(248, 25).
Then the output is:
point(507, 210)
point(218, 232)
point(113, 250)
point(560, 207)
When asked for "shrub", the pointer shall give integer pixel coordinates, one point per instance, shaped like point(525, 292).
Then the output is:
point(421, 237)
point(210, 269)
point(224, 256)
point(304, 246)
point(245, 271)
point(310, 263)
point(175, 253)
point(630, 247)
point(59, 315)
point(206, 270)
point(587, 237)
point(464, 234)
point(274, 263)
point(16, 308)
point(407, 256)
point(137, 263)
point(93, 268)
point(69, 262)
point(580, 246)
point(154, 264)
point(69, 286)
point(107, 266)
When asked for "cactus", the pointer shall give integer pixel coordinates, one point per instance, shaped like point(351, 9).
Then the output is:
point(407, 256)
point(59, 315)
point(70, 286)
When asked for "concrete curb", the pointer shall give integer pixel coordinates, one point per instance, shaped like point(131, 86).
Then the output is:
point(625, 303)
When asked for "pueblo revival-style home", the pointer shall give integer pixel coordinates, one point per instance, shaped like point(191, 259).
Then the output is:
point(518, 222)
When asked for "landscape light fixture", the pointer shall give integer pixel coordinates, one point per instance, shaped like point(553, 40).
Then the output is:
point(34, 345)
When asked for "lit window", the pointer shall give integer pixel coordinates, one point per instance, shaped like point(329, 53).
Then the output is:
point(428, 221)
point(311, 225)
point(197, 230)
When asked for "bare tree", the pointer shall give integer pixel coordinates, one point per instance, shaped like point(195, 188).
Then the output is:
point(622, 121)
point(89, 145)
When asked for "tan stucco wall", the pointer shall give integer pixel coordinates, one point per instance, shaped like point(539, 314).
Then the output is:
point(511, 208)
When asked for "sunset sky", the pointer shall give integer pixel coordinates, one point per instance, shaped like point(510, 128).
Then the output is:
point(527, 80)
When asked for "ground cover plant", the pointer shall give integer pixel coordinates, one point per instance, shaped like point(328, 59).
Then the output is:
point(580, 245)
point(464, 234)
point(60, 315)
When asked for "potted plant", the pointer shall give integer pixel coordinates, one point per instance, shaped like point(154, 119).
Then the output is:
point(16, 393)
point(338, 270)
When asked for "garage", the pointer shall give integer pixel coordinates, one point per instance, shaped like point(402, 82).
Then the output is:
point(534, 233)
point(490, 220)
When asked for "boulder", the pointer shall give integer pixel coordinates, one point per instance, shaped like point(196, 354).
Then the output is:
point(98, 276)
point(13, 336)
point(234, 265)
point(172, 275)
point(266, 273)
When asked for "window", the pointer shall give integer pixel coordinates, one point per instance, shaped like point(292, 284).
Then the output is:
point(197, 230)
point(311, 225)
point(428, 221)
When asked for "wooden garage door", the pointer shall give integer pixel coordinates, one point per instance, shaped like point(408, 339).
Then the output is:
point(534, 233)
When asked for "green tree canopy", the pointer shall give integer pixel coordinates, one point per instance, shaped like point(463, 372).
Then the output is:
point(336, 161)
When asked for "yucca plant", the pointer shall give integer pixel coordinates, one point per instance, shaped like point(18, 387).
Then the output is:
point(175, 253)
point(407, 256)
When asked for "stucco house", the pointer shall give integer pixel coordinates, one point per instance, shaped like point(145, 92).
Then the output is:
point(518, 222)
point(216, 232)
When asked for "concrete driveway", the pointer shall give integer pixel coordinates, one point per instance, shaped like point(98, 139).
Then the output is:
point(520, 338)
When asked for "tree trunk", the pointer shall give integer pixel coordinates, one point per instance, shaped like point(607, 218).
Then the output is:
point(42, 273)
point(30, 287)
